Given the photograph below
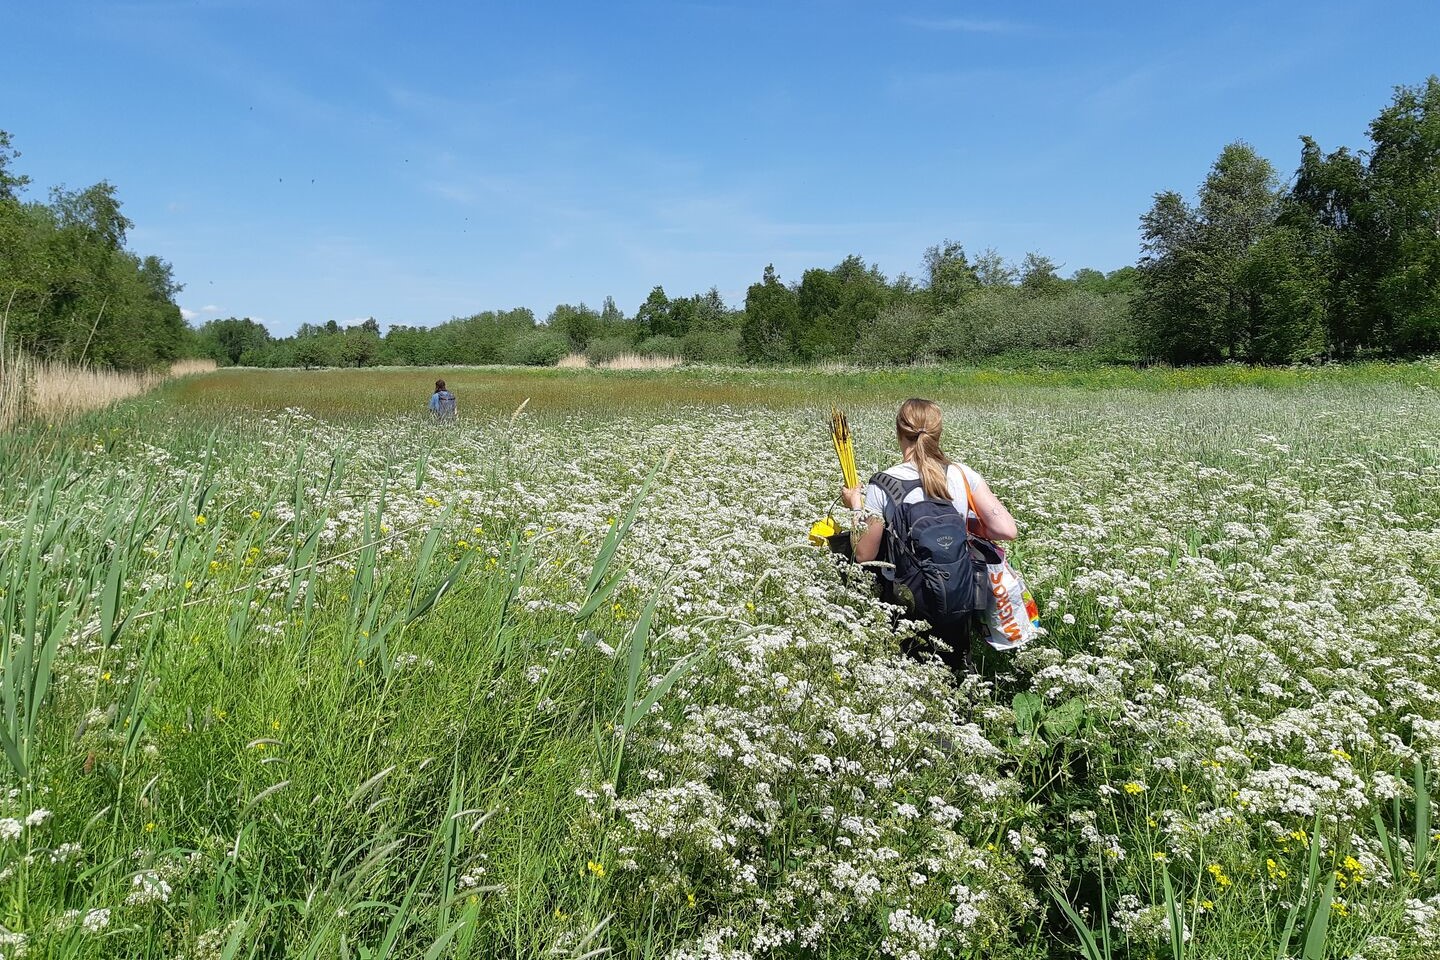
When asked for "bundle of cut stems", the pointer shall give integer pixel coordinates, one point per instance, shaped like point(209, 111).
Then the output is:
point(844, 446)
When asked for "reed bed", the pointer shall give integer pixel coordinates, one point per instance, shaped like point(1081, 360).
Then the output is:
point(624, 361)
point(638, 361)
point(50, 390)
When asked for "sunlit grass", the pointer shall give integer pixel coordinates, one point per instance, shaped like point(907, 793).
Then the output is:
point(405, 391)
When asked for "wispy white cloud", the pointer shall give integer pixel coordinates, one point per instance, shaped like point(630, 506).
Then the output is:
point(188, 315)
point(209, 308)
point(963, 25)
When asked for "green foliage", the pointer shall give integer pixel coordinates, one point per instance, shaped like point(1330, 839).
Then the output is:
point(11, 183)
point(771, 319)
point(659, 346)
point(576, 324)
point(901, 333)
point(1347, 261)
point(833, 305)
point(951, 278)
point(608, 348)
point(226, 341)
point(1038, 276)
point(1004, 319)
point(713, 346)
point(539, 348)
point(70, 289)
point(1219, 282)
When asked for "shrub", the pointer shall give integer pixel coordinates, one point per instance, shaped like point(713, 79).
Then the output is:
point(607, 348)
point(659, 346)
point(539, 348)
point(901, 333)
point(713, 346)
point(1006, 320)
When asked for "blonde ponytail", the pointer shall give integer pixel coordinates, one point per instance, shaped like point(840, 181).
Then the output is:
point(918, 424)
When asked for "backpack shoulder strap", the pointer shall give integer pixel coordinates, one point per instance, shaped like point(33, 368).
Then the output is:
point(897, 490)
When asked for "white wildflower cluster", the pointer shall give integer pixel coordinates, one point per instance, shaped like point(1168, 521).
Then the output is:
point(13, 946)
point(909, 937)
point(1423, 917)
point(148, 888)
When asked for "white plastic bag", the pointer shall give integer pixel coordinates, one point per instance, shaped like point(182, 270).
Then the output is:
point(1011, 618)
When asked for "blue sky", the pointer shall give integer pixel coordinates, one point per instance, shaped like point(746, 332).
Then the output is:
point(304, 161)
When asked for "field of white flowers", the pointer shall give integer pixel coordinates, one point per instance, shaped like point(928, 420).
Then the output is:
point(575, 685)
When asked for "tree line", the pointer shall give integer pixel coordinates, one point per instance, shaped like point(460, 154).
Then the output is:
point(1342, 260)
point(69, 289)
point(851, 312)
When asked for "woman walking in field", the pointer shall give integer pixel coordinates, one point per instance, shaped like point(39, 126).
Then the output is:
point(442, 403)
point(921, 491)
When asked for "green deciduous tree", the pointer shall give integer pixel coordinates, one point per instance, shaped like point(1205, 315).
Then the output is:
point(654, 316)
point(1404, 191)
point(577, 324)
point(226, 341)
point(1176, 323)
point(11, 183)
point(1228, 279)
point(1040, 277)
point(770, 317)
point(949, 275)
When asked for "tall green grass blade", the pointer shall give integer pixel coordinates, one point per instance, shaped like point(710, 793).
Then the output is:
point(1088, 947)
point(601, 594)
point(12, 754)
point(639, 641)
point(1176, 916)
point(616, 534)
point(1422, 815)
point(110, 598)
point(682, 667)
point(437, 949)
point(442, 588)
point(1320, 922)
point(1302, 902)
point(1389, 851)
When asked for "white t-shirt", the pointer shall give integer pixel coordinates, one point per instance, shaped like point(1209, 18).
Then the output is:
point(878, 501)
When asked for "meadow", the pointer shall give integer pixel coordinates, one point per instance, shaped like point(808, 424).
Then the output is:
point(290, 670)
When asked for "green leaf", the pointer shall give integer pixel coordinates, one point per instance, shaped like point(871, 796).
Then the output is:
point(1065, 719)
point(601, 594)
point(682, 666)
point(443, 588)
point(1027, 707)
point(1177, 918)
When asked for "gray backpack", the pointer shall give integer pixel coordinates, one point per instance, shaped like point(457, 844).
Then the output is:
point(936, 559)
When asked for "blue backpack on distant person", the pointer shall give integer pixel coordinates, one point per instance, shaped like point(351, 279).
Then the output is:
point(936, 560)
point(442, 402)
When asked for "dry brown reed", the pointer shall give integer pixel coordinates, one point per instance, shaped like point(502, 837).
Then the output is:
point(623, 361)
point(49, 390)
